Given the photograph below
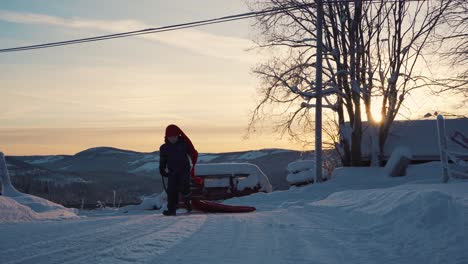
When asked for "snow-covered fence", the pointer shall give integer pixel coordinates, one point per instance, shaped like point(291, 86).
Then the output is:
point(241, 176)
point(301, 172)
point(447, 155)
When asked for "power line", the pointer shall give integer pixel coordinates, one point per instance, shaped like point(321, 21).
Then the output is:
point(158, 29)
point(112, 36)
point(199, 23)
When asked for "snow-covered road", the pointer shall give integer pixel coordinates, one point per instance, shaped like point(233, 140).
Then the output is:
point(110, 239)
point(282, 236)
point(301, 233)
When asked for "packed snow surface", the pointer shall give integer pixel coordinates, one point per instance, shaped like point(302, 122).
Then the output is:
point(359, 216)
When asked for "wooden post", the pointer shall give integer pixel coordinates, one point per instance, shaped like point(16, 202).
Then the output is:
point(443, 148)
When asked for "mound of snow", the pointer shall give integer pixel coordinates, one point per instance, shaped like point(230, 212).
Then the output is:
point(152, 202)
point(40, 205)
point(21, 207)
point(12, 211)
point(27, 207)
point(421, 205)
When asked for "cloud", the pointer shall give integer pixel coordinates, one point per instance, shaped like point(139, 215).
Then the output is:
point(204, 43)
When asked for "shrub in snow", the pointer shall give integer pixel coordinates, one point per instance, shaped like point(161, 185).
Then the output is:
point(100, 205)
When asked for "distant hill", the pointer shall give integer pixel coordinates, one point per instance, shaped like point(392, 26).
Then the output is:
point(94, 173)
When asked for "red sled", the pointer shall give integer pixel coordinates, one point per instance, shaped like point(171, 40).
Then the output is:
point(213, 207)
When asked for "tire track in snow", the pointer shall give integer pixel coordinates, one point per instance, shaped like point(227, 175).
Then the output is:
point(96, 227)
point(281, 236)
point(92, 247)
point(144, 249)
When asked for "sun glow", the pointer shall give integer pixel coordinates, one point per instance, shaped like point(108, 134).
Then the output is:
point(376, 111)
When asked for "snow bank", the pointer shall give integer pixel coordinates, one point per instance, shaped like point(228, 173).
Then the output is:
point(27, 208)
point(255, 174)
point(373, 218)
point(152, 202)
point(425, 204)
point(349, 178)
point(12, 211)
point(398, 163)
point(17, 206)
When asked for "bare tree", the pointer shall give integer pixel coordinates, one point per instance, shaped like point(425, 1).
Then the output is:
point(456, 38)
point(371, 51)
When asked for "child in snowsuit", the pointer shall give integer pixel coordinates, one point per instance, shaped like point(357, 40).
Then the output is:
point(174, 164)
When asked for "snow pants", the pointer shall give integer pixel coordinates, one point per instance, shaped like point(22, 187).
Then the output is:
point(178, 182)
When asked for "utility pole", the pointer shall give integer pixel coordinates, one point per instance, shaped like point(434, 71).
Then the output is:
point(318, 88)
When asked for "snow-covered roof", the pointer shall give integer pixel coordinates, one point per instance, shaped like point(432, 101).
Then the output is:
point(420, 137)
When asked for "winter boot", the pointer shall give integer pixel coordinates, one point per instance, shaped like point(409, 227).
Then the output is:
point(169, 213)
point(188, 205)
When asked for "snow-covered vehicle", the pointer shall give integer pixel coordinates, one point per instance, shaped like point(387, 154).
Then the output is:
point(226, 180)
point(301, 172)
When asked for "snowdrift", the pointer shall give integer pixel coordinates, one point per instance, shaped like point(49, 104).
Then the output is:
point(27, 208)
point(12, 211)
point(17, 206)
point(152, 202)
point(379, 219)
point(423, 206)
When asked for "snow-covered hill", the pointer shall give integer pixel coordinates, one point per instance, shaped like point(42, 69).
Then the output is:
point(359, 217)
point(94, 174)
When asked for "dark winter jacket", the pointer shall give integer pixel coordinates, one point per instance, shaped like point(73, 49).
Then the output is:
point(175, 157)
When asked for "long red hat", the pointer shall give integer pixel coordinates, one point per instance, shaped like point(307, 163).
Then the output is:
point(173, 130)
